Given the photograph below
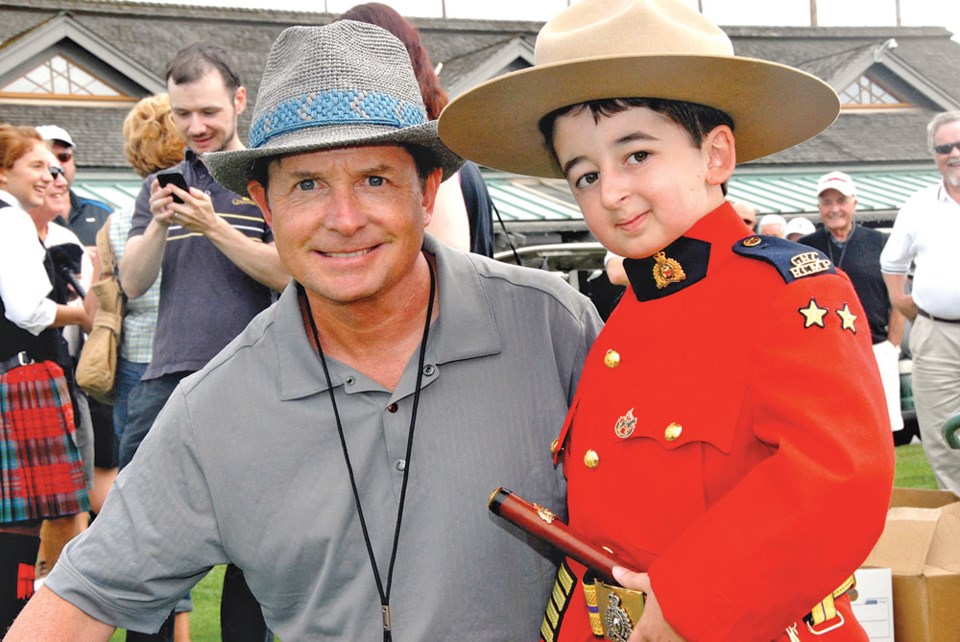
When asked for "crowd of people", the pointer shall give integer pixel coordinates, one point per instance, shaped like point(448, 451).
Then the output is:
point(322, 373)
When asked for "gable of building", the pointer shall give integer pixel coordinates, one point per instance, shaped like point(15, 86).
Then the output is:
point(127, 46)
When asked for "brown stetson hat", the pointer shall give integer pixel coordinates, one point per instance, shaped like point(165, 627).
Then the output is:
point(599, 49)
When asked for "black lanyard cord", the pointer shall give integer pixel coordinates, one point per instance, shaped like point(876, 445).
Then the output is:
point(384, 594)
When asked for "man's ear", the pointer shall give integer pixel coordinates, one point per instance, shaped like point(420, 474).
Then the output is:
point(721, 152)
point(430, 187)
point(240, 99)
point(259, 196)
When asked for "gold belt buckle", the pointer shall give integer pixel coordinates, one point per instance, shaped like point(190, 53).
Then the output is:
point(620, 609)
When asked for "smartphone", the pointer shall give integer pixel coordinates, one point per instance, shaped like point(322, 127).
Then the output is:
point(175, 178)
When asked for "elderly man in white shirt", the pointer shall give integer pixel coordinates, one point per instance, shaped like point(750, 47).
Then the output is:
point(926, 234)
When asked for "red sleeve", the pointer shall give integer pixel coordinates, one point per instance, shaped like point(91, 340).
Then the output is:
point(805, 517)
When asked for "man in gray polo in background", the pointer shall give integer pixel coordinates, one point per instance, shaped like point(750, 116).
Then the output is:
point(396, 382)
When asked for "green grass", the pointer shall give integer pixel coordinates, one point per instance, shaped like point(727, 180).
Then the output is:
point(913, 471)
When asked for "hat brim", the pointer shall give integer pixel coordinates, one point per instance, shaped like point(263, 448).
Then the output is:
point(773, 106)
point(234, 169)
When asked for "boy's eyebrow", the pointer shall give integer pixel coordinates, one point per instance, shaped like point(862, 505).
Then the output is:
point(632, 137)
point(570, 164)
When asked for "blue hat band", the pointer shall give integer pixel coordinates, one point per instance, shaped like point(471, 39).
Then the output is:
point(326, 108)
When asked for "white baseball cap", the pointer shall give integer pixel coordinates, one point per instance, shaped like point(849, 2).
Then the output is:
point(838, 181)
point(799, 225)
point(55, 132)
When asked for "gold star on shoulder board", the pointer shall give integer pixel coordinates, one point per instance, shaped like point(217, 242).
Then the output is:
point(813, 314)
point(847, 318)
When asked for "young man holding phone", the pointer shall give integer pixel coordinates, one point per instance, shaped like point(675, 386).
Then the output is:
point(220, 267)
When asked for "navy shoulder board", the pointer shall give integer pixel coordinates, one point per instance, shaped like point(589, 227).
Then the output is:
point(792, 260)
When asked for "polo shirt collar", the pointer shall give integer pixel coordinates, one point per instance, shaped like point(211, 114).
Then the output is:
point(465, 329)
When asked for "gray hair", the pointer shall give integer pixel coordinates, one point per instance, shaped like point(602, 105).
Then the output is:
point(941, 119)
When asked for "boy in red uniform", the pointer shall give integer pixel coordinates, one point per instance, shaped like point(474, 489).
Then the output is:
point(729, 438)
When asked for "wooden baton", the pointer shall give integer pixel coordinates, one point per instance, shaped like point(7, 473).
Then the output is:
point(542, 523)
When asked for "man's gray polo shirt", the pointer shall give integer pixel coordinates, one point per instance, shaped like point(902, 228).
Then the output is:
point(245, 465)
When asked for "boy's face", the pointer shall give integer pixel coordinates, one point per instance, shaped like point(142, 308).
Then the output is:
point(638, 178)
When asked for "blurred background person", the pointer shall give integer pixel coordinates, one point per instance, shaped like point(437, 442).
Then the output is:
point(99, 467)
point(83, 216)
point(151, 144)
point(856, 250)
point(463, 214)
point(772, 225)
point(613, 266)
point(797, 228)
point(41, 476)
point(748, 213)
point(924, 241)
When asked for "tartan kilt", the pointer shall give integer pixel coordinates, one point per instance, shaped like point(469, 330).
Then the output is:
point(41, 475)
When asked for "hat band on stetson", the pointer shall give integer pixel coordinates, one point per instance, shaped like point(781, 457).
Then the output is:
point(326, 108)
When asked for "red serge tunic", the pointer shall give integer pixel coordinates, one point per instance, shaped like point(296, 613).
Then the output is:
point(729, 437)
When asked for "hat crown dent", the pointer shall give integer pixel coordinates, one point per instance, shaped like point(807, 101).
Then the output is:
point(366, 56)
point(599, 28)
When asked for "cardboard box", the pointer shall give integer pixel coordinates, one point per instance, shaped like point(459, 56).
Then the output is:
point(921, 546)
point(872, 603)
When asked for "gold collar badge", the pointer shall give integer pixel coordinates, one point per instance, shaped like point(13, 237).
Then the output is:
point(625, 425)
point(667, 271)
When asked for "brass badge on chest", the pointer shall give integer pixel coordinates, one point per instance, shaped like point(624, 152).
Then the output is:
point(667, 271)
point(625, 425)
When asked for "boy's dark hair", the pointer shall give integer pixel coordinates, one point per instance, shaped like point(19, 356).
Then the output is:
point(698, 120)
point(195, 61)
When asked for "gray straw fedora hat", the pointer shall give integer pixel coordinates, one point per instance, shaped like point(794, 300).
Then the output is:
point(599, 49)
point(342, 85)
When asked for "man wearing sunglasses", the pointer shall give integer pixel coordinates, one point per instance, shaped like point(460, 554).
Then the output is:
point(86, 216)
point(926, 234)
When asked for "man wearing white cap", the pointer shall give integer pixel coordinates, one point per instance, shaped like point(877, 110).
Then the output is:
point(856, 249)
point(86, 215)
point(798, 227)
point(391, 359)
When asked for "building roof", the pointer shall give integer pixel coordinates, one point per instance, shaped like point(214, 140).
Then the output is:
point(131, 43)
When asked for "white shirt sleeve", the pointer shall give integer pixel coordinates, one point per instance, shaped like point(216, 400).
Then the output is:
point(24, 284)
point(898, 253)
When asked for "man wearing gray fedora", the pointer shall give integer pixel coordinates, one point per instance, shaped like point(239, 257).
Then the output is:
point(342, 449)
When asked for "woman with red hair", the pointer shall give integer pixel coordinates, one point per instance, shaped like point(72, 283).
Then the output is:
point(40, 475)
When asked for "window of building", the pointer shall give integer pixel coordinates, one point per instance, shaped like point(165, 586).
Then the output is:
point(59, 77)
point(868, 92)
